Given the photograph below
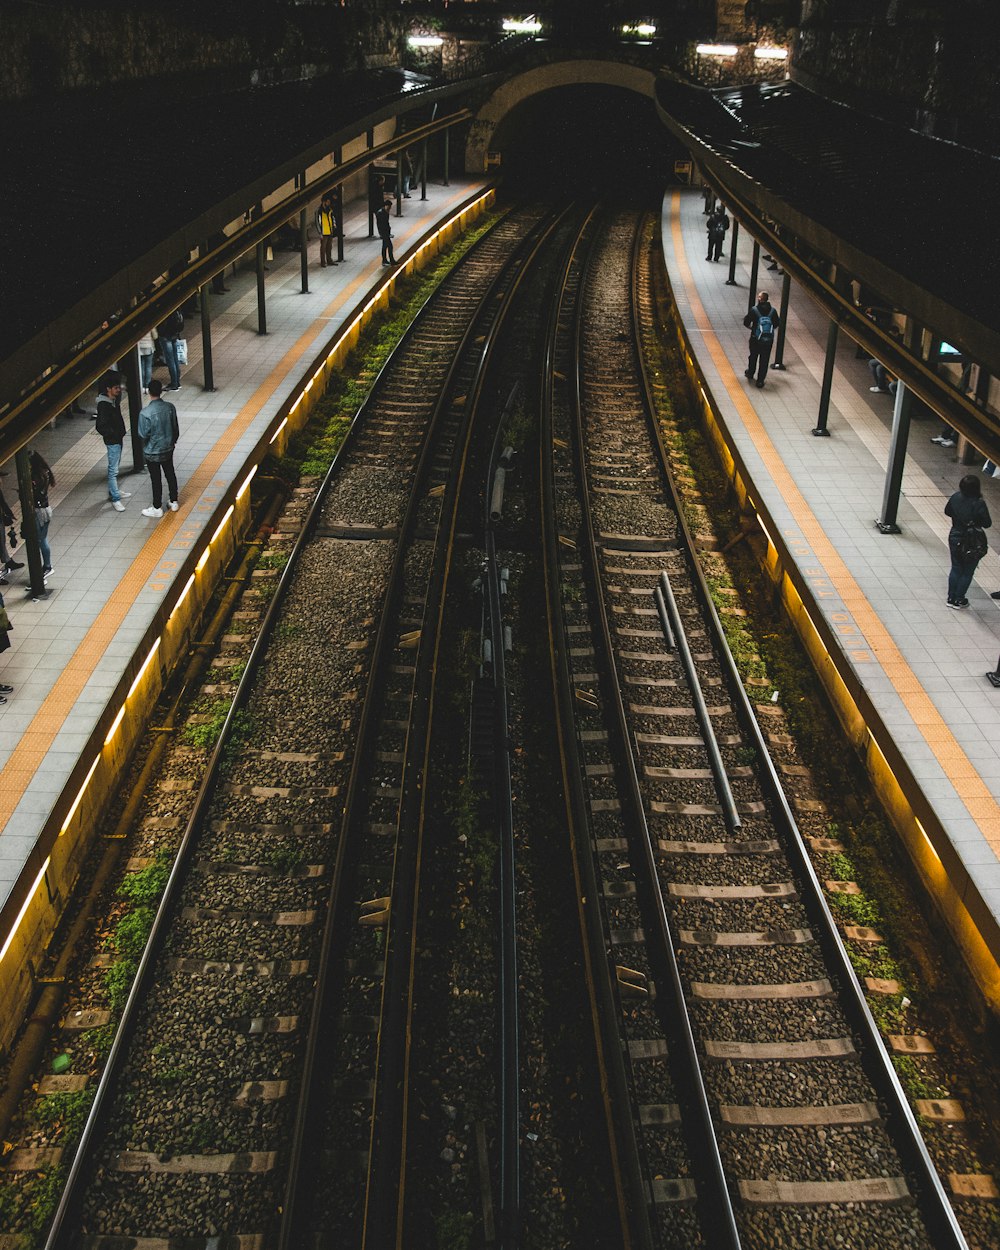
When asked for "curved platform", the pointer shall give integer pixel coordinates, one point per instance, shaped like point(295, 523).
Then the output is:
point(115, 572)
point(908, 672)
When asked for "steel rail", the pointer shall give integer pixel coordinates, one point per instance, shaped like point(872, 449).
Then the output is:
point(161, 922)
point(383, 1219)
point(289, 1234)
point(620, 1115)
point(715, 1202)
point(510, 1084)
point(946, 1230)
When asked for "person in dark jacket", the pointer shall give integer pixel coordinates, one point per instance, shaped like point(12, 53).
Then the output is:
point(717, 225)
point(385, 232)
point(111, 427)
point(159, 432)
point(42, 478)
point(167, 335)
point(763, 322)
point(969, 513)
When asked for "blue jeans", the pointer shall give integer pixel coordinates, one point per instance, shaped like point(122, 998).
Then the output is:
point(114, 458)
point(961, 575)
point(146, 368)
point(169, 349)
point(43, 544)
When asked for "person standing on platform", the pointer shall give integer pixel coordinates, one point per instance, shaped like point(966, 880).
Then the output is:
point(42, 478)
point(147, 349)
point(326, 227)
point(168, 333)
point(7, 533)
point(966, 541)
point(384, 228)
point(111, 427)
point(763, 322)
point(159, 432)
point(407, 174)
point(5, 628)
point(717, 224)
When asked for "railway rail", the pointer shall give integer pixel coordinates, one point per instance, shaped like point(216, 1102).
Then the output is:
point(764, 1100)
point(276, 1079)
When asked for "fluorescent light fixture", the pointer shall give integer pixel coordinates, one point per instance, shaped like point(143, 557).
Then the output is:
point(717, 49)
point(425, 41)
point(645, 29)
point(770, 54)
point(946, 349)
point(203, 559)
point(24, 907)
point(284, 422)
point(522, 25)
point(249, 478)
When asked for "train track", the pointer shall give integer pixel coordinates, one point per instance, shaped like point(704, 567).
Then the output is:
point(765, 1106)
point(194, 1103)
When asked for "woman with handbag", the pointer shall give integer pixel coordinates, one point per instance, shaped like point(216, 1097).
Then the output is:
point(41, 479)
point(966, 541)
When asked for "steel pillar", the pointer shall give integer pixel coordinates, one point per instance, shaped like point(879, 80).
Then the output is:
point(754, 267)
point(133, 387)
point(733, 244)
point(261, 306)
point(779, 350)
point(206, 340)
point(820, 430)
point(887, 519)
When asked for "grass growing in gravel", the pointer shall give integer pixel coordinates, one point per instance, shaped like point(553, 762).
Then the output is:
point(146, 885)
point(63, 1116)
point(205, 734)
point(310, 452)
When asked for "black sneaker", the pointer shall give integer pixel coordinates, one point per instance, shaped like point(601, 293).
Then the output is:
point(3, 699)
point(6, 689)
point(14, 564)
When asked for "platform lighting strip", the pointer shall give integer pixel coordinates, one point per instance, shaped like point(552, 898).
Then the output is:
point(24, 907)
point(425, 41)
point(770, 54)
point(717, 49)
point(203, 559)
point(645, 29)
point(522, 25)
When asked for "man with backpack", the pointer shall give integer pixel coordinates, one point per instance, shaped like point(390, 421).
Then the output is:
point(763, 322)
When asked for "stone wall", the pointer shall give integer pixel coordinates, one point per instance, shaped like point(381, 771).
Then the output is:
point(931, 65)
point(64, 47)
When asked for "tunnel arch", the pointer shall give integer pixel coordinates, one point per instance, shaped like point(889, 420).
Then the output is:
point(523, 87)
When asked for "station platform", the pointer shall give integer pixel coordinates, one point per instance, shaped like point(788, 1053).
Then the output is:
point(112, 571)
point(920, 663)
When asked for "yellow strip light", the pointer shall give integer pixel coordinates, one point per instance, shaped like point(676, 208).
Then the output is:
point(76, 802)
point(203, 559)
point(284, 422)
point(145, 664)
point(930, 844)
point(183, 595)
point(222, 524)
point(246, 483)
point(114, 727)
point(24, 907)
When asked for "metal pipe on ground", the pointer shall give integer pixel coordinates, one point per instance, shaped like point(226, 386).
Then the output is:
point(496, 499)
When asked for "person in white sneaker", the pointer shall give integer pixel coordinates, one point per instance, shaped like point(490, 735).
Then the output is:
point(111, 427)
point(159, 432)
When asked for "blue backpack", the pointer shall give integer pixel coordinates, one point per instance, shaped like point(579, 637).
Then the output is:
point(765, 328)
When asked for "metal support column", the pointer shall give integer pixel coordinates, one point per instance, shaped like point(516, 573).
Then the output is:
point(36, 582)
point(886, 521)
point(754, 267)
point(206, 341)
point(261, 308)
point(399, 183)
point(303, 241)
point(133, 386)
point(779, 350)
point(824, 395)
point(423, 172)
point(338, 208)
point(733, 244)
point(447, 151)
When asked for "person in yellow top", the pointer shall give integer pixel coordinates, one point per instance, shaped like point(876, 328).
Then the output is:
point(326, 226)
